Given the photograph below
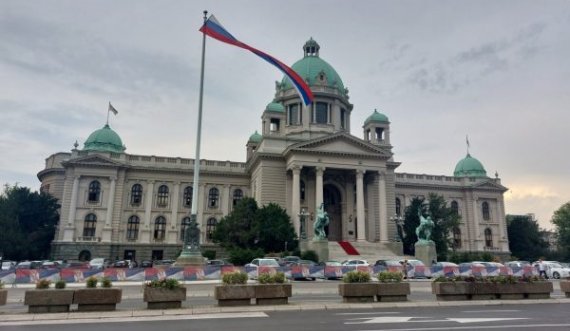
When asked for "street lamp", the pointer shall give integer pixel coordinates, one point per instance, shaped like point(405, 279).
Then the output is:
point(303, 223)
point(399, 222)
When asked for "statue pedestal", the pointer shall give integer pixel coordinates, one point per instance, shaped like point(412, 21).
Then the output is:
point(303, 245)
point(425, 252)
point(321, 247)
point(190, 260)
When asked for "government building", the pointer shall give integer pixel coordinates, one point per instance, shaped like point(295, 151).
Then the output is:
point(120, 205)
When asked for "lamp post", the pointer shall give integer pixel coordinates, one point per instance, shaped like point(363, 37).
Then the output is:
point(398, 221)
point(303, 223)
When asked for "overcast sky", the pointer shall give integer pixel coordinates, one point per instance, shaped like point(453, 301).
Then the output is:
point(498, 71)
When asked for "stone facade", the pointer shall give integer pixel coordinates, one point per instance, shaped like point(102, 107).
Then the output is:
point(115, 204)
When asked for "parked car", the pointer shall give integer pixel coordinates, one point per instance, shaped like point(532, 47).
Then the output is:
point(388, 263)
point(50, 265)
point(443, 269)
point(414, 264)
point(219, 263)
point(146, 264)
point(355, 263)
point(99, 263)
point(334, 264)
point(265, 262)
point(287, 260)
point(75, 265)
point(29, 265)
point(8, 265)
point(554, 269)
point(306, 263)
point(122, 264)
point(517, 264)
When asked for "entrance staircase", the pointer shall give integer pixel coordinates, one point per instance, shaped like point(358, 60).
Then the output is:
point(364, 250)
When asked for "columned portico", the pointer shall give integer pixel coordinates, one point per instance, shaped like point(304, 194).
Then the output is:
point(319, 187)
point(295, 195)
point(360, 229)
point(383, 206)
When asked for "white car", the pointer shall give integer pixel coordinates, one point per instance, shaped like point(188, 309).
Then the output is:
point(556, 270)
point(355, 263)
point(256, 263)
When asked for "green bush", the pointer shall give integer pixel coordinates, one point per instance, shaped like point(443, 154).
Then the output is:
point(390, 277)
point(209, 254)
point(279, 278)
point(356, 276)
point(267, 278)
point(60, 284)
point(234, 278)
point(310, 255)
point(106, 282)
point(167, 283)
point(241, 256)
point(91, 282)
point(1, 285)
point(43, 284)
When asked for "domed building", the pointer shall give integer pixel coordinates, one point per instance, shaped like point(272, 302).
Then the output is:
point(130, 206)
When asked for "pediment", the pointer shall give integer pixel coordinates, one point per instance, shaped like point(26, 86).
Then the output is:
point(94, 160)
point(490, 185)
point(340, 143)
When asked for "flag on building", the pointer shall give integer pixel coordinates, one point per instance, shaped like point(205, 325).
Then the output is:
point(112, 109)
point(214, 29)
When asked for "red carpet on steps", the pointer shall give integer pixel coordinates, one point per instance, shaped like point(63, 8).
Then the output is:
point(348, 248)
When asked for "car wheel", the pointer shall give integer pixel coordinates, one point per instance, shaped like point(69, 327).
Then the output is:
point(556, 275)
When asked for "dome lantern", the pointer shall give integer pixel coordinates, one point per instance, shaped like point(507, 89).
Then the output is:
point(311, 48)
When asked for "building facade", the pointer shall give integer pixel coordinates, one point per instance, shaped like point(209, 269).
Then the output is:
point(116, 204)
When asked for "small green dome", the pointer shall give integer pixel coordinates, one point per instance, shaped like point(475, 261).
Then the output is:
point(469, 167)
point(255, 138)
point(311, 66)
point(104, 140)
point(376, 117)
point(275, 107)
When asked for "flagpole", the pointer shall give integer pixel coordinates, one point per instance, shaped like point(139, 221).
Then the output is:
point(190, 252)
point(108, 113)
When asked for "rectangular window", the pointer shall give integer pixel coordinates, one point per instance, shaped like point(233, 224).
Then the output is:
point(343, 118)
point(322, 112)
point(293, 113)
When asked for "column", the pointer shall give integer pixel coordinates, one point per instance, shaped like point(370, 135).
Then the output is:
point(319, 187)
point(476, 224)
point(200, 211)
point(383, 207)
point(360, 234)
point(107, 229)
point(172, 232)
point(69, 230)
point(295, 196)
point(146, 230)
point(225, 200)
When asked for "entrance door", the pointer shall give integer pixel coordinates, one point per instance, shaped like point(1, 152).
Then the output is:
point(333, 206)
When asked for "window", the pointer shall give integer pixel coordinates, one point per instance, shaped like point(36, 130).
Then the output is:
point(398, 207)
point(89, 225)
point(159, 228)
point(485, 209)
point(162, 197)
point(136, 194)
point(94, 191)
point(238, 195)
point(133, 228)
point(488, 238)
point(274, 125)
point(183, 227)
point(456, 238)
point(302, 190)
point(213, 197)
point(210, 227)
point(322, 113)
point(455, 207)
point(343, 118)
point(188, 191)
point(293, 114)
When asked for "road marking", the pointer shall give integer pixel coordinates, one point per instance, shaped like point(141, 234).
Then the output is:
point(483, 319)
point(371, 313)
point(137, 319)
point(491, 311)
point(487, 327)
point(408, 319)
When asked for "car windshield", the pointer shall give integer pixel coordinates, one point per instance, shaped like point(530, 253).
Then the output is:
point(269, 262)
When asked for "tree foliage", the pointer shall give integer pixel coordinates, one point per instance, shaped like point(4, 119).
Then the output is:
point(248, 228)
point(525, 240)
point(561, 220)
point(443, 217)
point(27, 223)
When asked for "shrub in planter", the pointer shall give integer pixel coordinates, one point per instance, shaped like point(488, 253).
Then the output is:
point(234, 290)
point(91, 282)
point(44, 300)
point(272, 289)
point(391, 288)
point(164, 294)
point(356, 287)
point(60, 284)
point(43, 284)
point(3, 294)
point(92, 298)
point(234, 278)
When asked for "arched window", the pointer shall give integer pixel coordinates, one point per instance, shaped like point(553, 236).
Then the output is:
point(398, 207)
point(136, 194)
point(213, 197)
point(456, 238)
point(183, 226)
point(488, 238)
point(94, 191)
point(162, 197)
point(455, 207)
point(89, 225)
point(302, 190)
point(159, 228)
point(210, 227)
point(188, 191)
point(133, 228)
point(238, 195)
point(485, 209)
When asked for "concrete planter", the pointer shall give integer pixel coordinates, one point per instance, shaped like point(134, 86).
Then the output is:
point(97, 299)
point(358, 292)
point(392, 292)
point(48, 301)
point(162, 298)
point(565, 287)
point(234, 295)
point(3, 296)
point(452, 291)
point(273, 294)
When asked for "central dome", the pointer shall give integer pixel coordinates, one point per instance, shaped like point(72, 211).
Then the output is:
point(469, 167)
point(104, 140)
point(310, 68)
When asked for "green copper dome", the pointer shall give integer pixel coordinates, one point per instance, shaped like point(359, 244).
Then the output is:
point(376, 117)
point(275, 107)
point(104, 140)
point(255, 138)
point(311, 66)
point(469, 167)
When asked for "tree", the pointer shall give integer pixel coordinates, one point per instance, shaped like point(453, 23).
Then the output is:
point(27, 223)
point(237, 229)
point(525, 240)
point(443, 217)
point(561, 220)
point(276, 234)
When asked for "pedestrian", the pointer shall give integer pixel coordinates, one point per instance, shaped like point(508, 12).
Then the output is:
point(405, 268)
point(542, 269)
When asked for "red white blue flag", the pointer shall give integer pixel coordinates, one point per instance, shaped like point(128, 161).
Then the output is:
point(214, 29)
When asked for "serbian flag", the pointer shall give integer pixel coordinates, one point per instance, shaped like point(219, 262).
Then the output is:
point(214, 29)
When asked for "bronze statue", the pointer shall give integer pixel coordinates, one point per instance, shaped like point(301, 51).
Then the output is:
point(192, 236)
point(321, 221)
point(423, 231)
